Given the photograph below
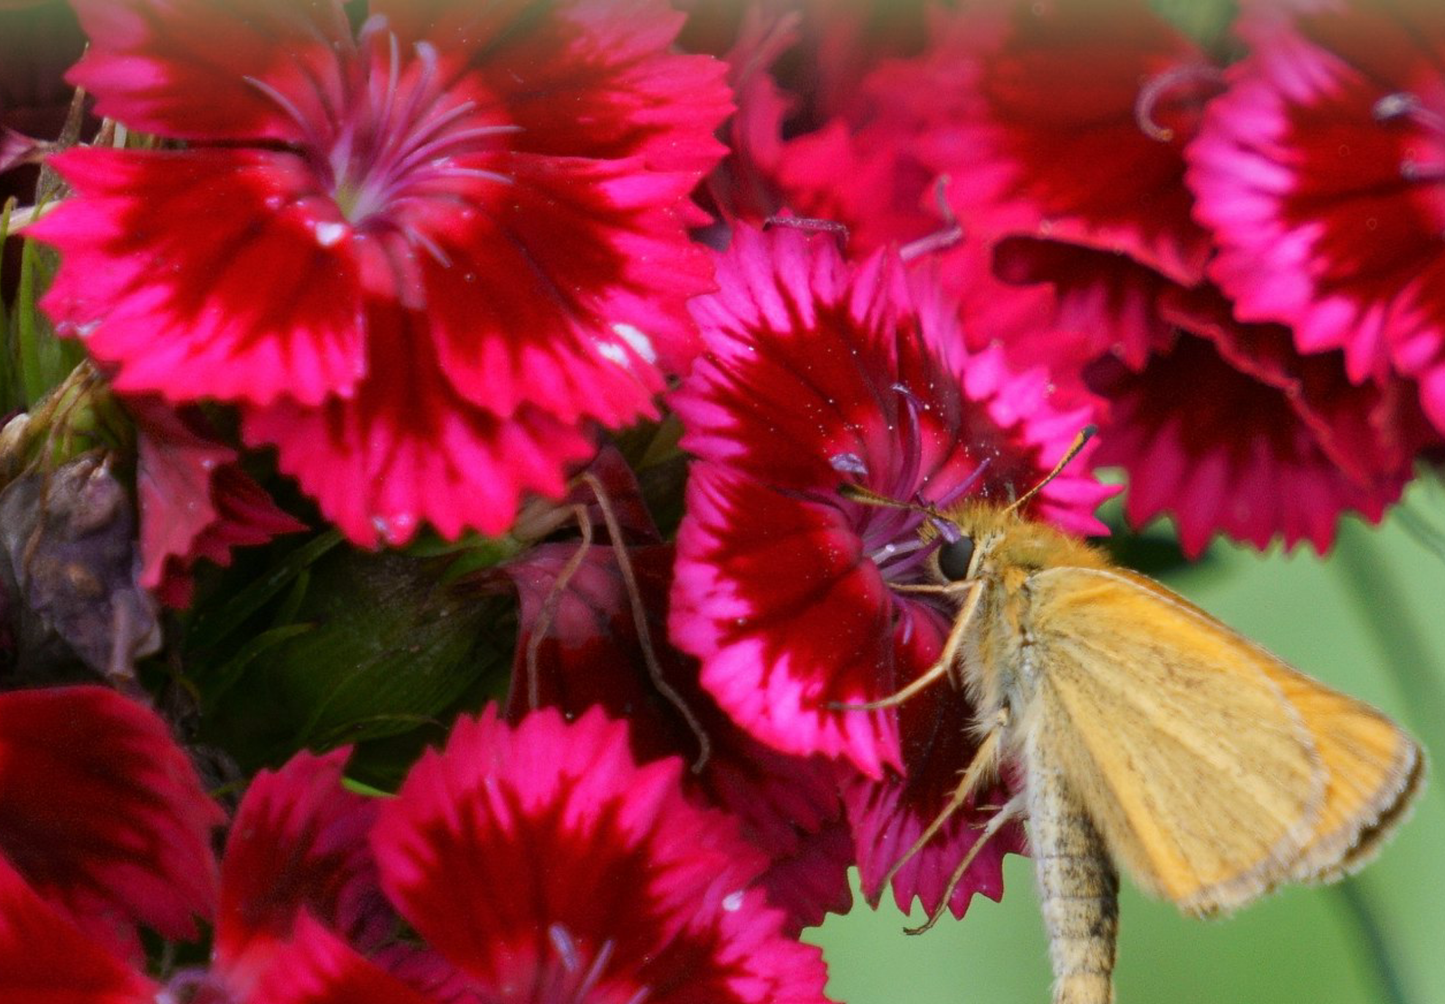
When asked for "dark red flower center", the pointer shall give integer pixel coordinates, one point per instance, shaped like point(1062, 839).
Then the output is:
point(574, 974)
point(407, 136)
point(893, 536)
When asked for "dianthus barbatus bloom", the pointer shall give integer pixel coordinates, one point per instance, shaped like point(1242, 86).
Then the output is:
point(298, 847)
point(1232, 430)
point(819, 374)
point(1065, 122)
point(546, 865)
point(423, 257)
point(103, 817)
point(1322, 172)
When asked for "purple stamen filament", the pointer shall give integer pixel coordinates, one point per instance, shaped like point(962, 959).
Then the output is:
point(892, 537)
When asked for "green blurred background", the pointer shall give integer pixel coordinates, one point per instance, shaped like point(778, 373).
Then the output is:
point(1370, 620)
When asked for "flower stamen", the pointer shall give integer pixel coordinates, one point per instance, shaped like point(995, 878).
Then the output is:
point(1405, 105)
point(1192, 75)
point(565, 985)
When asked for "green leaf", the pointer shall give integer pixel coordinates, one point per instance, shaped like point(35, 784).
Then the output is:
point(388, 649)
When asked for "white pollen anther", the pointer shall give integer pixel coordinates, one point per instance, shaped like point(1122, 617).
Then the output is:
point(330, 234)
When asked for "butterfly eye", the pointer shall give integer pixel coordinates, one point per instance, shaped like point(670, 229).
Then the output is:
point(954, 557)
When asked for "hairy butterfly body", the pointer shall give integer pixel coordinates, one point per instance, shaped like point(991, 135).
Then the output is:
point(1150, 737)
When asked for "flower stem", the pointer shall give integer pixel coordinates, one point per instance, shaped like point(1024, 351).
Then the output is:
point(1381, 601)
point(1357, 903)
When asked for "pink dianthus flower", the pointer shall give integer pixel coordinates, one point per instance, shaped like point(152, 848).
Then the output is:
point(423, 257)
point(1065, 121)
point(817, 374)
point(1321, 172)
point(1232, 430)
point(545, 864)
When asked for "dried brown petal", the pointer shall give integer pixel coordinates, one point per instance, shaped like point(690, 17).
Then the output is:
point(67, 553)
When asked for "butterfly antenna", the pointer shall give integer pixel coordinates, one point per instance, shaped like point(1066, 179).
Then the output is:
point(866, 496)
point(1085, 434)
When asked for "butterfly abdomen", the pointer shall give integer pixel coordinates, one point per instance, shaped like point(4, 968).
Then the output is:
point(1078, 887)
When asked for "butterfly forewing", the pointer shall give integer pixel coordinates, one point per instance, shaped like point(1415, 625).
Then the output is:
point(1199, 772)
point(1372, 768)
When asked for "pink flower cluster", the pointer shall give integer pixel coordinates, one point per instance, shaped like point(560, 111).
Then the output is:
point(1231, 260)
point(433, 254)
point(532, 864)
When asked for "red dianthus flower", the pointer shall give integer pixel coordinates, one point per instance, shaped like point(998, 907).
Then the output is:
point(819, 374)
point(423, 257)
point(1321, 172)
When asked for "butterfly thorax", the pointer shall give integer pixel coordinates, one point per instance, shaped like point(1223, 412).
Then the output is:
point(996, 661)
point(1005, 539)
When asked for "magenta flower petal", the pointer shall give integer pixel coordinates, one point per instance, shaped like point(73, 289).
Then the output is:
point(817, 375)
point(862, 169)
point(595, 74)
point(544, 861)
point(470, 227)
point(590, 330)
point(1111, 301)
point(195, 501)
point(787, 618)
point(177, 306)
point(103, 814)
point(317, 967)
point(298, 845)
point(45, 959)
point(1320, 171)
point(1048, 123)
point(191, 69)
point(590, 654)
point(407, 448)
point(1233, 432)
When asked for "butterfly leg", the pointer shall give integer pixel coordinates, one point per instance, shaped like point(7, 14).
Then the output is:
point(982, 766)
point(972, 592)
point(1012, 809)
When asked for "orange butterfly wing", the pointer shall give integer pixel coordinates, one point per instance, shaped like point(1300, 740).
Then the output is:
point(1212, 769)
